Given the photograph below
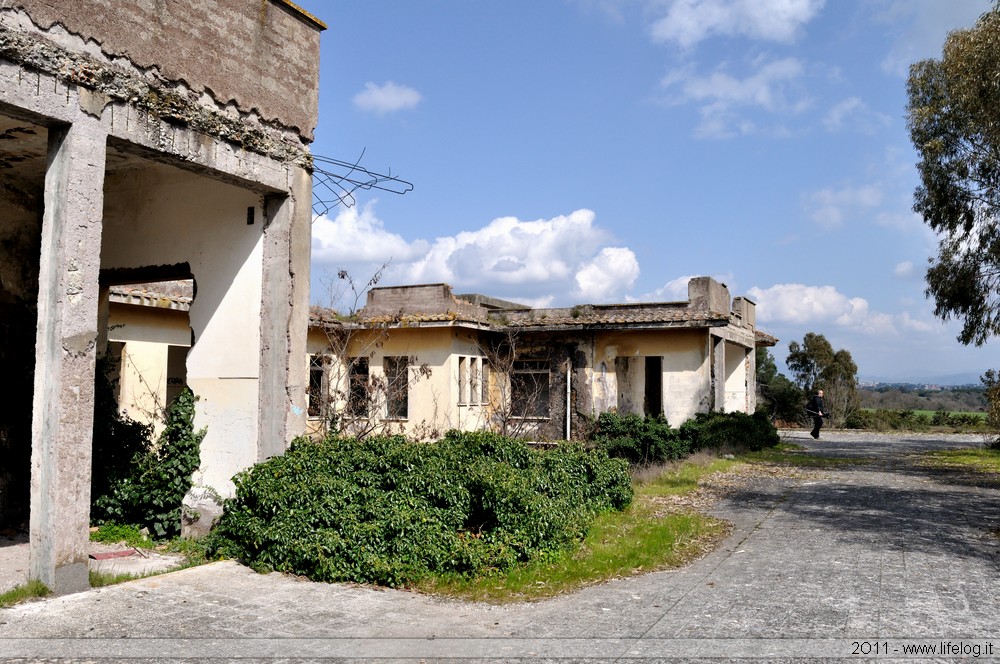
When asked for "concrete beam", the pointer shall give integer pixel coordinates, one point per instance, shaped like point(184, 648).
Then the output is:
point(65, 355)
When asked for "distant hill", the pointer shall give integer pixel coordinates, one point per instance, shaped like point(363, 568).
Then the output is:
point(926, 379)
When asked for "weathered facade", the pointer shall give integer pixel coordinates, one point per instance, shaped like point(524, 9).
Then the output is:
point(472, 362)
point(142, 142)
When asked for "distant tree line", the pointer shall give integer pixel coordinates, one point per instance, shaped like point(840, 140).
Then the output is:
point(954, 399)
point(815, 365)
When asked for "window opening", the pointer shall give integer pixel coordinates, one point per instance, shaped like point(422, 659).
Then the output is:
point(357, 400)
point(317, 386)
point(397, 387)
point(529, 387)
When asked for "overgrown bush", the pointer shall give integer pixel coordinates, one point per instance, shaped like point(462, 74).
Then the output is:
point(643, 441)
point(638, 440)
point(387, 511)
point(118, 439)
point(147, 491)
point(733, 431)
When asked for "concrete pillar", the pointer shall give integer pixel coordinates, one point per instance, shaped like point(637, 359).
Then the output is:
point(718, 346)
point(63, 406)
point(284, 372)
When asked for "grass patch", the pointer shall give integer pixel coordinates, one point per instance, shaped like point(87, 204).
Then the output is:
point(682, 477)
point(641, 539)
point(979, 415)
point(795, 455)
point(976, 459)
point(194, 552)
point(101, 579)
point(33, 589)
point(112, 533)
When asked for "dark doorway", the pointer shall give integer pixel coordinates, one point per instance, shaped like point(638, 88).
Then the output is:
point(653, 401)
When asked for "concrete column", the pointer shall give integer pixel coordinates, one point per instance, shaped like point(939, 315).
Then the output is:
point(284, 371)
point(718, 346)
point(65, 352)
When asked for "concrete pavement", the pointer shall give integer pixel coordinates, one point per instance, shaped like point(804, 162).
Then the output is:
point(873, 559)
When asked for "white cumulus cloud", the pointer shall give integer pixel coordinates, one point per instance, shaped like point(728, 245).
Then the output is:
point(910, 324)
point(799, 304)
point(386, 98)
point(359, 236)
point(676, 290)
point(566, 259)
point(904, 270)
point(610, 272)
point(688, 22)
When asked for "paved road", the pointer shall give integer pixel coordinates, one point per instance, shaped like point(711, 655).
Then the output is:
point(864, 560)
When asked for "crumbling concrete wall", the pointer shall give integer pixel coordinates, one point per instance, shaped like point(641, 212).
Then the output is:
point(172, 41)
point(223, 89)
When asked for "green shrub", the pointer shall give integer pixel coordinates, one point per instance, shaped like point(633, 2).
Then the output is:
point(884, 419)
point(870, 420)
point(643, 441)
point(387, 511)
point(639, 440)
point(734, 431)
point(118, 439)
point(148, 491)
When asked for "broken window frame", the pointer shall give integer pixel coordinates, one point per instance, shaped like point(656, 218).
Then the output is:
point(358, 387)
point(530, 385)
point(317, 394)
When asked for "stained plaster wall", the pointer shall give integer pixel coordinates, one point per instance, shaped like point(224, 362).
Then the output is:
point(607, 373)
point(736, 378)
point(617, 371)
point(433, 400)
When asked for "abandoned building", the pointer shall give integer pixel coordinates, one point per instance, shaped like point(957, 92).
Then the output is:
point(144, 142)
point(419, 360)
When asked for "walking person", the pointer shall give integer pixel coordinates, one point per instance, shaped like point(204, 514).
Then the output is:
point(817, 410)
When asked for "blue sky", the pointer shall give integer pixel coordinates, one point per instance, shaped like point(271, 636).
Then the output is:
point(588, 151)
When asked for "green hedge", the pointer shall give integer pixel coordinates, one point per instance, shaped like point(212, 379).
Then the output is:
point(885, 419)
point(387, 511)
point(644, 441)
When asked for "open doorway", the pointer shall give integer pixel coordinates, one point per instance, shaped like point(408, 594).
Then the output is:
point(653, 397)
point(23, 155)
point(149, 337)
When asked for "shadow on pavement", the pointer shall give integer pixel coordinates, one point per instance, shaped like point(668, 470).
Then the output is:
point(912, 507)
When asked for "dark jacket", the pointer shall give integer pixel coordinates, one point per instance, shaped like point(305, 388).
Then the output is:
point(816, 407)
